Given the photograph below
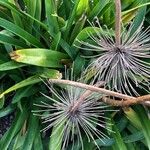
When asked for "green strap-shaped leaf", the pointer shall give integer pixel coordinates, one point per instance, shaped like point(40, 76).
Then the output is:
point(38, 145)
point(145, 123)
point(6, 111)
point(31, 132)
point(84, 34)
point(135, 8)
point(132, 116)
point(31, 9)
point(140, 120)
point(98, 8)
point(77, 28)
point(23, 92)
point(20, 32)
point(119, 143)
point(32, 80)
point(16, 17)
point(12, 41)
point(138, 136)
point(57, 136)
point(138, 20)
point(39, 57)
point(71, 18)
point(10, 65)
point(52, 19)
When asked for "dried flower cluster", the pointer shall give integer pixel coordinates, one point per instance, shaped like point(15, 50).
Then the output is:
point(88, 118)
point(123, 67)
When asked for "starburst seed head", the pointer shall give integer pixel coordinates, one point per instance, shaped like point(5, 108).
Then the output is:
point(123, 67)
point(87, 118)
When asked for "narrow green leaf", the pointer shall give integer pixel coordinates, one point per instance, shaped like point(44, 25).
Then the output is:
point(119, 143)
point(135, 8)
point(56, 137)
point(3, 98)
point(84, 34)
point(139, 18)
point(10, 6)
point(78, 27)
point(69, 50)
point(50, 13)
point(134, 137)
point(20, 32)
point(145, 122)
point(4, 39)
point(6, 111)
point(18, 142)
point(122, 123)
point(106, 142)
point(126, 3)
point(31, 132)
point(71, 19)
point(132, 116)
point(56, 41)
point(38, 14)
point(32, 80)
point(11, 65)
point(39, 57)
point(82, 8)
point(78, 63)
point(16, 16)
point(38, 145)
point(98, 8)
point(23, 92)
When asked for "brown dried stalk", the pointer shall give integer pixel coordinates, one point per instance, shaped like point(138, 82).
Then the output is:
point(118, 22)
point(124, 103)
point(91, 88)
point(126, 100)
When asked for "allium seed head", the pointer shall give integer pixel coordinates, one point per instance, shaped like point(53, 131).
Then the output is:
point(87, 118)
point(122, 67)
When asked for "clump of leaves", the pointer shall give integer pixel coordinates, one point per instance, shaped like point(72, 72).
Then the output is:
point(36, 39)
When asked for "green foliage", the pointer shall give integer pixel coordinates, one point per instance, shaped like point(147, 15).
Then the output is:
point(37, 39)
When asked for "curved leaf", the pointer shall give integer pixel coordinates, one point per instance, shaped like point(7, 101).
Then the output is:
point(20, 32)
point(10, 65)
point(39, 57)
point(32, 80)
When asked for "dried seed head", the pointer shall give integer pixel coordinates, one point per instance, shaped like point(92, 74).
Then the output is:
point(122, 67)
point(88, 118)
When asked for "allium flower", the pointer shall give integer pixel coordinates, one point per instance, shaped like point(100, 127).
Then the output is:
point(87, 118)
point(122, 67)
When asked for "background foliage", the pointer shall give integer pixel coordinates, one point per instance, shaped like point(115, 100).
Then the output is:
point(36, 40)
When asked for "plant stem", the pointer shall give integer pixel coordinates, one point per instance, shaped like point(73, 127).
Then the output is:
point(126, 100)
point(118, 22)
point(91, 88)
point(124, 103)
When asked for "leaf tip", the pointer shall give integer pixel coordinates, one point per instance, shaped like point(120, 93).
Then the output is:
point(14, 55)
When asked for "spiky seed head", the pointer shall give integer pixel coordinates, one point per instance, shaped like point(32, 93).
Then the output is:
point(122, 67)
point(88, 118)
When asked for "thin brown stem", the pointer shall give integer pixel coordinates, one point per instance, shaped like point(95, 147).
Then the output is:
point(139, 100)
point(126, 100)
point(91, 88)
point(118, 22)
